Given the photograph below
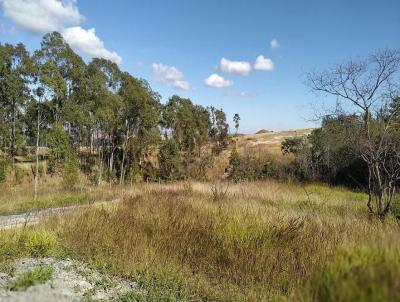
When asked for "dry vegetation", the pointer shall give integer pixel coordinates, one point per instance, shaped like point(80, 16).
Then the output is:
point(265, 144)
point(245, 242)
point(217, 241)
point(18, 198)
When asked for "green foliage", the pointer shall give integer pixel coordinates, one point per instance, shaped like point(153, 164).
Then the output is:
point(70, 171)
point(235, 166)
point(4, 165)
point(329, 153)
point(38, 275)
point(236, 120)
point(101, 114)
point(292, 145)
point(27, 242)
point(358, 274)
point(59, 146)
point(38, 243)
point(171, 166)
point(252, 166)
point(19, 173)
point(219, 131)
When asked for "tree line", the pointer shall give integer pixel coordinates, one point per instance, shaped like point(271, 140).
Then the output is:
point(96, 119)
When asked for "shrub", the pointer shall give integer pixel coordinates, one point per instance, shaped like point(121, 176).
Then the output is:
point(358, 274)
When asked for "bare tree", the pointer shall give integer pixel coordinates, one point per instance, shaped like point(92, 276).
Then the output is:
point(369, 85)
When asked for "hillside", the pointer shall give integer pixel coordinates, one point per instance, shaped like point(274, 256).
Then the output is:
point(267, 143)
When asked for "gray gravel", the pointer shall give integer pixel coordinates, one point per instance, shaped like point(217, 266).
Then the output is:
point(71, 281)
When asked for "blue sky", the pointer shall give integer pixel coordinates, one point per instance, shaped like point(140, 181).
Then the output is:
point(177, 45)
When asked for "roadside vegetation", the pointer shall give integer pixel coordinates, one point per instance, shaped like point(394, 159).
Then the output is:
point(259, 241)
point(35, 276)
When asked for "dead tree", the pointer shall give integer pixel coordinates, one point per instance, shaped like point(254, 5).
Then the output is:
point(368, 85)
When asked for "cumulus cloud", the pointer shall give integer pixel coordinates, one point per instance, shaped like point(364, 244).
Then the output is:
point(43, 16)
point(170, 75)
point(238, 67)
point(263, 64)
point(86, 42)
point(217, 81)
point(274, 43)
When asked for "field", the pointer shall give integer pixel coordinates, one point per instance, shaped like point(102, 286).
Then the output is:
point(200, 241)
point(228, 242)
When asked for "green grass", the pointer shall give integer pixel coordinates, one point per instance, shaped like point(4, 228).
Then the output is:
point(55, 201)
point(19, 198)
point(38, 275)
point(26, 242)
point(365, 273)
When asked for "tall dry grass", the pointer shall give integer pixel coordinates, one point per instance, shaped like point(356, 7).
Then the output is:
point(258, 242)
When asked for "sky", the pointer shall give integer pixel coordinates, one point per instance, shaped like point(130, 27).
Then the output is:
point(247, 57)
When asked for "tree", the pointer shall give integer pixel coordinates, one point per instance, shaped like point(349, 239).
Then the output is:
point(219, 131)
point(368, 85)
point(171, 167)
point(236, 119)
point(40, 94)
point(15, 71)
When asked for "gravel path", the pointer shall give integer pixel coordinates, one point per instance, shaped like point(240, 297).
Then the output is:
point(34, 216)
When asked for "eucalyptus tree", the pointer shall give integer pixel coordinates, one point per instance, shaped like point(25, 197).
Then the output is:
point(138, 122)
point(15, 71)
point(219, 131)
point(236, 120)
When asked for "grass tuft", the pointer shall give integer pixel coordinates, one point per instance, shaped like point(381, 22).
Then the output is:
point(38, 275)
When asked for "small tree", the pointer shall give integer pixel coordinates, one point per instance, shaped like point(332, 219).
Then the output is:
point(235, 166)
point(368, 85)
point(236, 119)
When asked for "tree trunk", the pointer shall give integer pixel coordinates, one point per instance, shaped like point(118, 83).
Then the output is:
point(37, 156)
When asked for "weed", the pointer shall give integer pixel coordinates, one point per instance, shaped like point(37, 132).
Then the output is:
point(32, 277)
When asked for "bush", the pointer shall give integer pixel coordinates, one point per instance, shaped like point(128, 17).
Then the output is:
point(358, 274)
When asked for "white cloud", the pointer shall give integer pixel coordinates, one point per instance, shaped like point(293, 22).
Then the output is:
point(86, 42)
point(274, 43)
point(238, 67)
point(242, 94)
point(217, 81)
point(170, 75)
point(263, 64)
point(42, 16)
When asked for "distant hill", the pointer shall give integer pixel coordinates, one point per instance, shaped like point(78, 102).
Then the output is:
point(262, 131)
